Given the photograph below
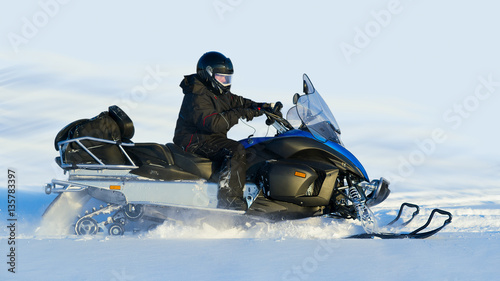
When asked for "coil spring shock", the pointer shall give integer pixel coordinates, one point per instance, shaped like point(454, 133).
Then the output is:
point(365, 215)
point(354, 195)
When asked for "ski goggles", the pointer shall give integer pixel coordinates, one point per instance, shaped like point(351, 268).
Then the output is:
point(224, 79)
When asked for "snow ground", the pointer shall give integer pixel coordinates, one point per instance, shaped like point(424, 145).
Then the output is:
point(448, 257)
point(416, 103)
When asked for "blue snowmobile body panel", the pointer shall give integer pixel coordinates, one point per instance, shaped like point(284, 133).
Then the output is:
point(330, 147)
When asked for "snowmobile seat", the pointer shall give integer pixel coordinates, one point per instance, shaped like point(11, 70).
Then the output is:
point(155, 161)
point(150, 154)
point(141, 153)
point(192, 163)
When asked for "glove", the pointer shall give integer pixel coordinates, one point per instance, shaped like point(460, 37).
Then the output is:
point(263, 106)
point(248, 113)
point(258, 112)
point(274, 108)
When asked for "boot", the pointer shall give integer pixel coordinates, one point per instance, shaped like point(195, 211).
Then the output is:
point(228, 200)
point(229, 197)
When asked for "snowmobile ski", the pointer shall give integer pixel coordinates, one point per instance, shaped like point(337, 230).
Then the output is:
point(416, 234)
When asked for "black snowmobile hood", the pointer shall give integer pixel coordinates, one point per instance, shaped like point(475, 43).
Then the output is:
point(192, 85)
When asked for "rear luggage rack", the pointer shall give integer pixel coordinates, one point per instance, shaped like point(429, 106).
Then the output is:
point(63, 145)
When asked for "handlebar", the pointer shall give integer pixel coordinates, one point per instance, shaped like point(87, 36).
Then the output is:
point(274, 116)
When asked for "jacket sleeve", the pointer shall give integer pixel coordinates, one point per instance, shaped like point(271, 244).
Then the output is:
point(241, 102)
point(208, 120)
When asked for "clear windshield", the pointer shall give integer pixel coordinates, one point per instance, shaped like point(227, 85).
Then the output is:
point(312, 112)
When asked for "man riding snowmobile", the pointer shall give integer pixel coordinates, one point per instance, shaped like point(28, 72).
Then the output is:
point(209, 110)
point(303, 171)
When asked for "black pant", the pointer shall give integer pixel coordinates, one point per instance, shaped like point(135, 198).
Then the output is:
point(232, 157)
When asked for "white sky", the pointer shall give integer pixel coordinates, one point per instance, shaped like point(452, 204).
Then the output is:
point(414, 66)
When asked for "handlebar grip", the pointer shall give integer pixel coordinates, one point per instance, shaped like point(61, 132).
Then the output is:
point(277, 107)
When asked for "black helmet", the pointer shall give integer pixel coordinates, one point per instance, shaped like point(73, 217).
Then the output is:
point(215, 71)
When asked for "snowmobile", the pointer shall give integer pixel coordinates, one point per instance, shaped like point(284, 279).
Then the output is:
point(303, 171)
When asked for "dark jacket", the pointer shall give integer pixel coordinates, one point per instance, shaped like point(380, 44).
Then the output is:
point(204, 114)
